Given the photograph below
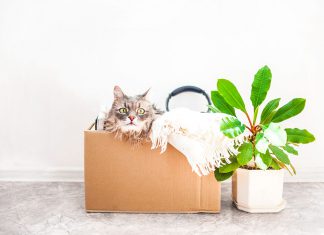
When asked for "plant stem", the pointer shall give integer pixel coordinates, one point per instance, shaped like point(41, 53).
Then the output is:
point(249, 128)
point(251, 125)
point(256, 111)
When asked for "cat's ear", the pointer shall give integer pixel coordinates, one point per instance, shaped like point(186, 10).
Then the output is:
point(144, 95)
point(118, 93)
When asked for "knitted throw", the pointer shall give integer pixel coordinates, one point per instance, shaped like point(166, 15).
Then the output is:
point(197, 136)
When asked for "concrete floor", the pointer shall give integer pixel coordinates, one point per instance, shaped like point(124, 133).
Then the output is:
point(57, 208)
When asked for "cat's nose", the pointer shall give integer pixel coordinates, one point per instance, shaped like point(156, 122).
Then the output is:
point(131, 118)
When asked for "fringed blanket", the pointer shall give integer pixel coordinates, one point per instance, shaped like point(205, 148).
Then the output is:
point(197, 136)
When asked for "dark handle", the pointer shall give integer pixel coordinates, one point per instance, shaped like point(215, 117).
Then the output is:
point(187, 89)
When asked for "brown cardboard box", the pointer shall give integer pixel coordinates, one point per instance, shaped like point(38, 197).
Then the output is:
point(122, 178)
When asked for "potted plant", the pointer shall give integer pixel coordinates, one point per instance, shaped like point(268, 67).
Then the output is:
point(257, 166)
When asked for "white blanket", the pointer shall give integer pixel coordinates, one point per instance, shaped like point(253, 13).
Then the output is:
point(197, 136)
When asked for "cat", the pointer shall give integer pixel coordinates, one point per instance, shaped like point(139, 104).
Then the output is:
point(131, 117)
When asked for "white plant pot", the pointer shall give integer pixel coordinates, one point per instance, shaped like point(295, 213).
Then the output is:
point(258, 191)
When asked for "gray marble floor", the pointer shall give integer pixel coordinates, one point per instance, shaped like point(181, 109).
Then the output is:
point(57, 208)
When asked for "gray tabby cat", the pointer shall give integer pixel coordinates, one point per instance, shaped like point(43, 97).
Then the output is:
point(131, 117)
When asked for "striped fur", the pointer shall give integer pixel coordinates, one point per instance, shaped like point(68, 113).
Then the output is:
point(120, 124)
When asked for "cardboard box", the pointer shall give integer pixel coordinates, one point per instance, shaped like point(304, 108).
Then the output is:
point(120, 177)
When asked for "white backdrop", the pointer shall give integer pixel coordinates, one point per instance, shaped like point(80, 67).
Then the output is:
point(59, 61)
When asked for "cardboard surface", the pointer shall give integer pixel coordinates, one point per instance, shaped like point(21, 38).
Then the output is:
point(120, 177)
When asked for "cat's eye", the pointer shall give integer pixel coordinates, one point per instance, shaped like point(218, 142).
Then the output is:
point(140, 111)
point(123, 110)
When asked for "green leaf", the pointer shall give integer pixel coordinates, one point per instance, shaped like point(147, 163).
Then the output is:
point(299, 136)
point(229, 167)
point(290, 149)
point(231, 127)
point(260, 86)
point(245, 153)
point(266, 158)
point(281, 155)
point(222, 176)
point(275, 165)
point(221, 104)
point(261, 143)
point(268, 111)
point(213, 109)
point(289, 110)
point(275, 134)
point(293, 168)
point(259, 162)
point(282, 165)
point(230, 94)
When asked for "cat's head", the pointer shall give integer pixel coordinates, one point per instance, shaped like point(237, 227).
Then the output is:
point(132, 113)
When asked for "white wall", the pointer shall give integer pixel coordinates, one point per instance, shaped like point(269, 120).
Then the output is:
point(59, 61)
